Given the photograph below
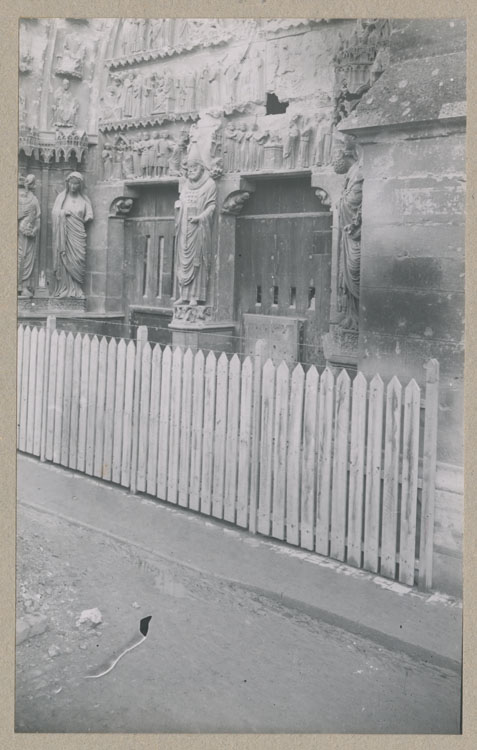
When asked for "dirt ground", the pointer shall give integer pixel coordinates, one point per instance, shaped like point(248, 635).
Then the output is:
point(216, 659)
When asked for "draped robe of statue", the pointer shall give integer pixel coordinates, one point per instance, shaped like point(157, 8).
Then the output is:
point(194, 241)
point(349, 243)
point(70, 213)
point(28, 226)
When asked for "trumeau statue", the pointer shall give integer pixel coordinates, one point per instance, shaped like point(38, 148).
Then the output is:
point(28, 227)
point(71, 211)
point(65, 107)
point(195, 212)
point(349, 235)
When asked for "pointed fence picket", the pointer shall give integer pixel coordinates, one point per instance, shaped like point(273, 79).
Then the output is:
point(330, 465)
point(324, 463)
point(245, 443)
point(30, 418)
point(197, 431)
point(128, 414)
point(175, 424)
point(164, 414)
point(185, 429)
point(107, 463)
point(67, 394)
point(208, 434)
point(143, 419)
point(40, 384)
point(153, 431)
point(339, 494)
point(92, 400)
point(24, 389)
point(356, 472)
point(410, 466)
point(280, 436)
point(295, 426)
point(391, 478)
point(50, 409)
point(136, 406)
point(75, 403)
point(220, 432)
point(231, 442)
point(100, 408)
point(266, 447)
point(118, 412)
point(19, 379)
point(308, 472)
point(372, 499)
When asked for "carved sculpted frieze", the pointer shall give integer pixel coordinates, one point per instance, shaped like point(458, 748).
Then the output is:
point(143, 39)
point(229, 82)
point(151, 154)
point(359, 60)
point(299, 143)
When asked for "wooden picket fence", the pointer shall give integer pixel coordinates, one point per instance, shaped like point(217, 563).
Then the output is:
point(323, 463)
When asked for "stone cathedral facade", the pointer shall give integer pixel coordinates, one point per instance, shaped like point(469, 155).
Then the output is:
point(328, 213)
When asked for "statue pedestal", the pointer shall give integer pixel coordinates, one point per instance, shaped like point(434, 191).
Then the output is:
point(340, 347)
point(193, 328)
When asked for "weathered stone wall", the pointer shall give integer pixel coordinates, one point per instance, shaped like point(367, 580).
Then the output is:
point(411, 128)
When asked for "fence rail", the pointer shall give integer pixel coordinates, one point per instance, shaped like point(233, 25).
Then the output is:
point(344, 469)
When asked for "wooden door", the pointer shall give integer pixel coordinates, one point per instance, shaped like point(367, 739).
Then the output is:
point(284, 258)
point(150, 250)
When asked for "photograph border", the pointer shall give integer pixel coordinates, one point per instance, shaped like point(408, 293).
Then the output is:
point(9, 18)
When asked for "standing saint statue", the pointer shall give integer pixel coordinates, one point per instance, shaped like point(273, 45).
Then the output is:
point(71, 211)
point(349, 236)
point(28, 226)
point(65, 107)
point(195, 211)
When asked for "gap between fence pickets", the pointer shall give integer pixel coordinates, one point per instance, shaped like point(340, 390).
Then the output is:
point(274, 450)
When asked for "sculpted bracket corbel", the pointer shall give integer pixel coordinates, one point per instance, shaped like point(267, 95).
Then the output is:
point(328, 186)
point(121, 207)
point(235, 201)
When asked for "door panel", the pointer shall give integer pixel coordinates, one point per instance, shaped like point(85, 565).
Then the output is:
point(150, 257)
point(284, 259)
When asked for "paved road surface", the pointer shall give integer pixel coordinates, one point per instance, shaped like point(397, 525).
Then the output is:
point(216, 658)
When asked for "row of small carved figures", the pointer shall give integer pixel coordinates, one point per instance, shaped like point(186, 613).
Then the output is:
point(144, 157)
point(239, 148)
point(141, 34)
point(132, 95)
